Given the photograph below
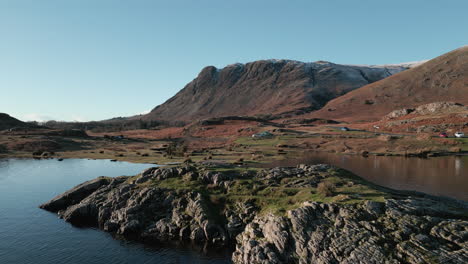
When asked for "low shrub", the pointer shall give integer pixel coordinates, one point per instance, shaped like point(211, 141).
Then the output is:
point(239, 161)
point(37, 146)
point(424, 137)
point(3, 148)
point(387, 138)
point(176, 149)
point(326, 188)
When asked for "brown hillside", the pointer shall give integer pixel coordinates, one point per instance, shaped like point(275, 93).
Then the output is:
point(265, 87)
point(444, 78)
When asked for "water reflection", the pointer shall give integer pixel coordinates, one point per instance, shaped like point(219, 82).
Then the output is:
point(3, 167)
point(31, 235)
point(446, 176)
point(458, 166)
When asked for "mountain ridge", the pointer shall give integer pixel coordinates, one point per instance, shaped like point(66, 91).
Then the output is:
point(266, 87)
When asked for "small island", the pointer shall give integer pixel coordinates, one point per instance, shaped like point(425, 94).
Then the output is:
point(304, 214)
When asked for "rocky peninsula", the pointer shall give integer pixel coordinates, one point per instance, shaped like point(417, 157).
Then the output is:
point(305, 214)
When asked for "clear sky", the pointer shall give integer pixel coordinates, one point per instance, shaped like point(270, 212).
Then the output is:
point(98, 59)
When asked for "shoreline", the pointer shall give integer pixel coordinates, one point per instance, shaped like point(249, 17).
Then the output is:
point(180, 160)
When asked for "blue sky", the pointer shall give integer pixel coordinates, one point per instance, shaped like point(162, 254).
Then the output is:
point(98, 59)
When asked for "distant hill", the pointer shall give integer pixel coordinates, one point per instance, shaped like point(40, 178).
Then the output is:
point(444, 78)
point(8, 122)
point(266, 87)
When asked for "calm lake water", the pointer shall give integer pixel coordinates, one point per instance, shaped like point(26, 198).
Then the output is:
point(31, 235)
point(443, 176)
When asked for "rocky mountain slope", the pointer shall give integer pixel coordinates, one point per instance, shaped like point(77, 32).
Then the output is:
point(7, 122)
point(273, 216)
point(444, 78)
point(428, 118)
point(266, 87)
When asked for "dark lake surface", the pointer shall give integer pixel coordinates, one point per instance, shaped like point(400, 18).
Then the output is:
point(442, 176)
point(31, 235)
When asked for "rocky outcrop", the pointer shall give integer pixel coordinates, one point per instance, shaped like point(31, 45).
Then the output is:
point(121, 206)
point(398, 113)
point(439, 107)
point(428, 118)
point(76, 194)
point(207, 207)
point(405, 231)
point(428, 109)
point(302, 176)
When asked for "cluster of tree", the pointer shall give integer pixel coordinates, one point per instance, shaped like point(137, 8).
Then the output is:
point(177, 149)
point(3, 148)
point(110, 125)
